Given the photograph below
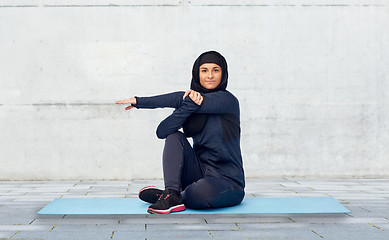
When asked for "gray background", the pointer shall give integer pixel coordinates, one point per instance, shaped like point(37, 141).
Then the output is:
point(311, 76)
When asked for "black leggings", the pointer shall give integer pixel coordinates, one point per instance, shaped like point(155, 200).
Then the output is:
point(183, 170)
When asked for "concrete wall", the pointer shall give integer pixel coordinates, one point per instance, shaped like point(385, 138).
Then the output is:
point(312, 78)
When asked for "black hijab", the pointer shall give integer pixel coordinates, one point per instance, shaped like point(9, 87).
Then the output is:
point(196, 122)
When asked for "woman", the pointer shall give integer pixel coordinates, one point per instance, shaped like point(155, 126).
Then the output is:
point(209, 175)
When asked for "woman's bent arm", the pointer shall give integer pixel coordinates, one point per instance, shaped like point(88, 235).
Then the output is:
point(220, 102)
point(174, 122)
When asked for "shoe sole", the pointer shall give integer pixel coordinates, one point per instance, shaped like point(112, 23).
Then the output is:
point(177, 208)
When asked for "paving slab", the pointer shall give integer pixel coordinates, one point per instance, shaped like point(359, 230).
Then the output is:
point(350, 231)
point(25, 227)
point(262, 233)
point(94, 234)
point(6, 234)
point(167, 234)
point(125, 235)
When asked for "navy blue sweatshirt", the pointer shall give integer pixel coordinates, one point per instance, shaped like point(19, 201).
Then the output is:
point(218, 144)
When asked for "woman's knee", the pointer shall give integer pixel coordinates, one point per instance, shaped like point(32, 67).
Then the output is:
point(193, 198)
point(175, 136)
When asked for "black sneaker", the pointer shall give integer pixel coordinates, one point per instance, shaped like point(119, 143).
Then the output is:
point(169, 201)
point(150, 194)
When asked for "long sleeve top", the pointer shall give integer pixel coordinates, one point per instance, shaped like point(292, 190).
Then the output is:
point(218, 144)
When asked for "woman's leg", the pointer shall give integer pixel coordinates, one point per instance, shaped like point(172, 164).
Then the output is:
point(181, 166)
point(212, 192)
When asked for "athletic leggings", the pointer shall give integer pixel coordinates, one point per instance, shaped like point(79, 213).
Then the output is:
point(183, 171)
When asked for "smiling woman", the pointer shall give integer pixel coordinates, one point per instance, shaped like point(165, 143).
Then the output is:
point(209, 174)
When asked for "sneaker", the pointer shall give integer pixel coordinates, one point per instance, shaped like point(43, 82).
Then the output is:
point(150, 194)
point(169, 201)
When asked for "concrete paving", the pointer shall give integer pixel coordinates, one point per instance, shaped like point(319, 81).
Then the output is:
point(368, 200)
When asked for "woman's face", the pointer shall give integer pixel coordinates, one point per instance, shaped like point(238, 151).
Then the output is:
point(210, 75)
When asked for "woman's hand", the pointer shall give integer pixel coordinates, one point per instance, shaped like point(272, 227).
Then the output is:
point(195, 96)
point(128, 101)
point(186, 94)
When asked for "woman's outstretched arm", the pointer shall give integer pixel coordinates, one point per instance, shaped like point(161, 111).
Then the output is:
point(173, 100)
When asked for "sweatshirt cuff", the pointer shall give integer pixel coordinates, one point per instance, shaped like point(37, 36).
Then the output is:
point(137, 102)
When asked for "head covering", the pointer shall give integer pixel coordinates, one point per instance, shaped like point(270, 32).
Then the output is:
point(209, 57)
point(196, 122)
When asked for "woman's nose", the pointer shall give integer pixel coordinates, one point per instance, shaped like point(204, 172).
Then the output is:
point(210, 75)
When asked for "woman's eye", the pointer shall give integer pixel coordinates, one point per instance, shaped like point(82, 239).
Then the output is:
point(216, 70)
point(203, 70)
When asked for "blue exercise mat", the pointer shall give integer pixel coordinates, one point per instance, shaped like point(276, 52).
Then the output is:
point(248, 206)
